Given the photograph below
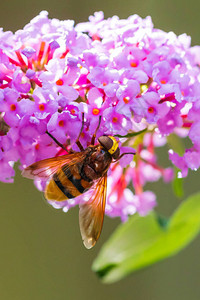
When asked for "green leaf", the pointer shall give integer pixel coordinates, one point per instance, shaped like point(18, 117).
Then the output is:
point(142, 241)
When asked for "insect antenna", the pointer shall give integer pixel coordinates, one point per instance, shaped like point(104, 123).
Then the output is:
point(133, 153)
point(57, 142)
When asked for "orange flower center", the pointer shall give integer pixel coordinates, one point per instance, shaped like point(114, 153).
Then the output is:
point(133, 64)
point(41, 107)
point(61, 123)
point(73, 111)
point(151, 110)
point(13, 107)
point(95, 111)
point(163, 81)
point(126, 100)
point(37, 147)
point(59, 82)
point(114, 119)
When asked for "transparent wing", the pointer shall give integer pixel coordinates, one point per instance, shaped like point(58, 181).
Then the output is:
point(91, 214)
point(45, 168)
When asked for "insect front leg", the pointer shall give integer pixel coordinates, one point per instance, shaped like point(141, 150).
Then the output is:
point(95, 133)
point(78, 143)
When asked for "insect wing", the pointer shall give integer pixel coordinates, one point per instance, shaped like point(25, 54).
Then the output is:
point(91, 214)
point(44, 169)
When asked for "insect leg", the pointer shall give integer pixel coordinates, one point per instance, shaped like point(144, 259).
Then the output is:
point(94, 135)
point(68, 142)
point(78, 143)
point(57, 142)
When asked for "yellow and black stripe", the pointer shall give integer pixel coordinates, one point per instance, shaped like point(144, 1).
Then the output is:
point(66, 184)
point(114, 146)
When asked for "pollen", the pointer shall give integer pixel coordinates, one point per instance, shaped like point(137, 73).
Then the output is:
point(163, 81)
point(37, 147)
point(73, 111)
point(13, 107)
point(59, 82)
point(126, 100)
point(133, 64)
point(95, 111)
point(151, 110)
point(41, 107)
point(104, 83)
point(114, 119)
point(61, 123)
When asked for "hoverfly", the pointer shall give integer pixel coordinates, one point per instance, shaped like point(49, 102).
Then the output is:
point(71, 175)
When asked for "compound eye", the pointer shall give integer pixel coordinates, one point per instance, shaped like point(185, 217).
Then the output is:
point(106, 142)
point(110, 144)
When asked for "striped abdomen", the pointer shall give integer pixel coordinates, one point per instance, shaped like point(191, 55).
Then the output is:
point(68, 183)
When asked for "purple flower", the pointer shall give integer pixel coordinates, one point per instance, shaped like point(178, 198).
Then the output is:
point(127, 98)
point(142, 81)
point(144, 202)
point(116, 123)
point(10, 106)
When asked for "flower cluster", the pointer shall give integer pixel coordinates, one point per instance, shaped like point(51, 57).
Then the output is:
point(142, 81)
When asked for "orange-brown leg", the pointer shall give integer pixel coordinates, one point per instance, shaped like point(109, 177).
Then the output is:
point(77, 140)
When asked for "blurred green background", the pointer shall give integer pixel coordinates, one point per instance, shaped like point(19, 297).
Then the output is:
point(41, 252)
